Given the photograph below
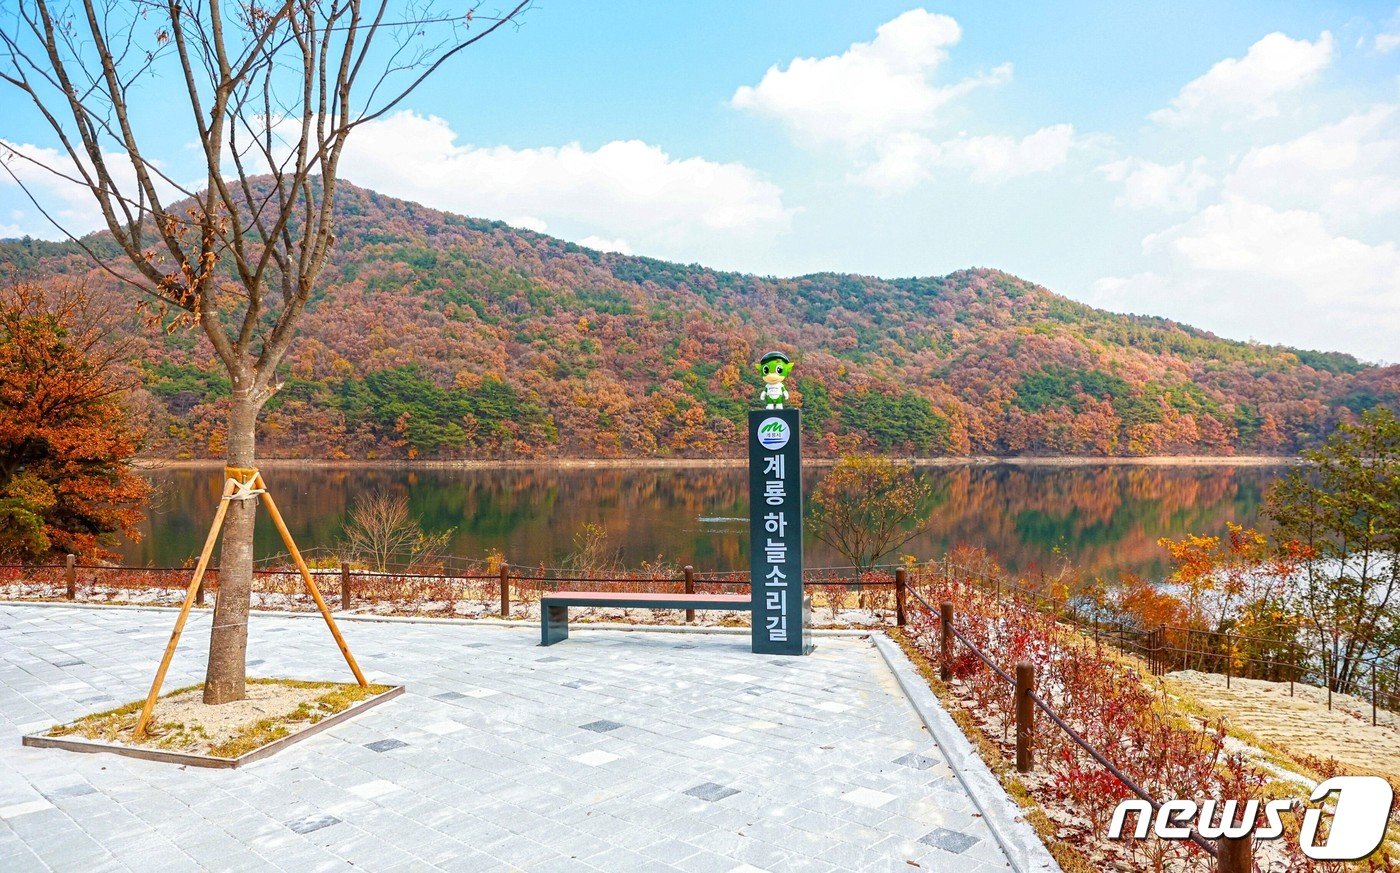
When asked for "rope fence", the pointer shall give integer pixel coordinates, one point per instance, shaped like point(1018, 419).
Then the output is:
point(1024, 692)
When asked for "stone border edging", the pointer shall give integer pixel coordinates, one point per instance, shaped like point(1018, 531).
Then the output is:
point(1022, 845)
point(190, 759)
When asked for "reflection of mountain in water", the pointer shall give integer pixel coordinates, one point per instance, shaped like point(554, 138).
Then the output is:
point(1104, 518)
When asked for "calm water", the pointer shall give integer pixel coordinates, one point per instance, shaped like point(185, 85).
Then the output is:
point(1106, 518)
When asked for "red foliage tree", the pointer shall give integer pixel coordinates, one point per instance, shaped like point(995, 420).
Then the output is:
point(66, 442)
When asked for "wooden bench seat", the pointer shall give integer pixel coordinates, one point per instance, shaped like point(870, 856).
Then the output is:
point(554, 608)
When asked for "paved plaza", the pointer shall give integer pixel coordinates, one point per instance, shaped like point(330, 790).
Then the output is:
point(613, 751)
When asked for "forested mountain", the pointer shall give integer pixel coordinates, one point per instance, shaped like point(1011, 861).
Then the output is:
point(439, 336)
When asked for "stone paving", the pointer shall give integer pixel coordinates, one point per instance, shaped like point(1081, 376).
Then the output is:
point(613, 751)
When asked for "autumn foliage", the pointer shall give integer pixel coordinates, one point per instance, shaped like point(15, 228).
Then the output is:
point(65, 438)
point(430, 335)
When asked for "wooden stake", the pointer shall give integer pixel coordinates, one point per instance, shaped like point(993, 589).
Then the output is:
point(505, 590)
point(1236, 855)
point(945, 667)
point(1025, 715)
point(901, 583)
point(306, 577)
point(689, 589)
point(229, 486)
point(70, 576)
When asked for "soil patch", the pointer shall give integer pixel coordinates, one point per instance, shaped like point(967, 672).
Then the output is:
point(182, 722)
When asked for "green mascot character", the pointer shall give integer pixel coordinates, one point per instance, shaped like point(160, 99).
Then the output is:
point(774, 368)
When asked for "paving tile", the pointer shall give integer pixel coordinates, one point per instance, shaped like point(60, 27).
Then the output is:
point(494, 761)
point(712, 791)
point(918, 762)
point(307, 824)
point(386, 745)
point(949, 841)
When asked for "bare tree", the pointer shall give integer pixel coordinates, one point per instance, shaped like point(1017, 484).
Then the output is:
point(867, 506)
point(381, 530)
point(270, 90)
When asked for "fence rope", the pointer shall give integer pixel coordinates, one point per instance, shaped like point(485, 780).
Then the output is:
point(1198, 840)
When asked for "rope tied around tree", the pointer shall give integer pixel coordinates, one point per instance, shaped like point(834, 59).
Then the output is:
point(245, 480)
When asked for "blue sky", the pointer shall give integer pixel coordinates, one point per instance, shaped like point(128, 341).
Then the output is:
point(1236, 166)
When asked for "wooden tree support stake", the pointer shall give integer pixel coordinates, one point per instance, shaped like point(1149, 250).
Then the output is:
point(229, 486)
point(306, 577)
point(232, 487)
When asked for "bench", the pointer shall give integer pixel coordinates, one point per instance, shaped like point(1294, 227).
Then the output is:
point(554, 608)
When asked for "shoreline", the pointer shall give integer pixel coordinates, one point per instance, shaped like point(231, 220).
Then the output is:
point(681, 463)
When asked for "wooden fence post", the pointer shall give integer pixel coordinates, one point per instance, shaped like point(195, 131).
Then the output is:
point(689, 589)
point(1025, 715)
point(1236, 854)
point(70, 576)
point(505, 590)
point(945, 611)
point(901, 581)
point(1162, 655)
point(1327, 668)
point(344, 585)
point(199, 593)
point(1229, 659)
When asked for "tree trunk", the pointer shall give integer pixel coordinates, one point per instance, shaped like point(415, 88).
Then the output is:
point(228, 640)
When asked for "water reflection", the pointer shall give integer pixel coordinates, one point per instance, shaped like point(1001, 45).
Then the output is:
point(1104, 517)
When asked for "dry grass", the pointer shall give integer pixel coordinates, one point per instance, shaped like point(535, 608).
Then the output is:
point(274, 709)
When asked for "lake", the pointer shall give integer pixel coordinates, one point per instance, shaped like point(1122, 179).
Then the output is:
point(1107, 518)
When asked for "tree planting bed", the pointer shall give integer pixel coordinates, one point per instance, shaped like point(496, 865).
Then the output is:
point(184, 730)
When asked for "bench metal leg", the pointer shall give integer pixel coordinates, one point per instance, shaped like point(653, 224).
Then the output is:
point(554, 625)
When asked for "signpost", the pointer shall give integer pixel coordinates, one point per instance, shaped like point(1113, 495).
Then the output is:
point(775, 532)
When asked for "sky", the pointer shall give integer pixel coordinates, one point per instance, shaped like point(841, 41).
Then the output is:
point(1235, 166)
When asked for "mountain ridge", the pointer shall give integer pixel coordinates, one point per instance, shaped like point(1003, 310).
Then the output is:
point(434, 335)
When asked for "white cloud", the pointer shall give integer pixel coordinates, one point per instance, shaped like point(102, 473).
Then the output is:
point(624, 189)
point(1281, 275)
point(1387, 42)
point(71, 204)
point(1347, 169)
point(996, 158)
point(913, 158)
point(1250, 85)
point(881, 101)
point(870, 91)
point(529, 222)
point(1148, 185)
point(1292, 246)
point(8, 231)
point(606, 245)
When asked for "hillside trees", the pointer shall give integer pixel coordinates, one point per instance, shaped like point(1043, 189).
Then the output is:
point(612, 355)
point(269, 92)
point(66, 440)
point(1342, 520)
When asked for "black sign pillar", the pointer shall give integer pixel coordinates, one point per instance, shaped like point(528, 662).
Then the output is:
point(775, 532)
